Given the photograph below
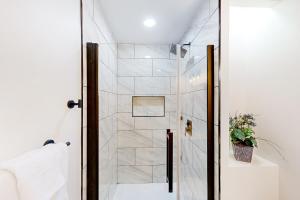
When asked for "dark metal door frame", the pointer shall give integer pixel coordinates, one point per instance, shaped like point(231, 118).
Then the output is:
point(210, 124)
point(92, 122)
point(169, 139)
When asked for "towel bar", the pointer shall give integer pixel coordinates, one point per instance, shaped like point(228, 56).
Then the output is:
point(50, 141)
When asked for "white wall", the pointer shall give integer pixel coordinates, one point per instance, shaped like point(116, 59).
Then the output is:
point(39, 73)
point(264, 79)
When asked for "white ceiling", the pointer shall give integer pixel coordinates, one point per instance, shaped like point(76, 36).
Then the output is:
point(125, 19)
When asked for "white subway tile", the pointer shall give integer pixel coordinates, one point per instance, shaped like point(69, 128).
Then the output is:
point(124, 103)
point(213, 5)
point(173, 120)
point(159, 138)
point(134, 67)
point(152, 122)
point(125, 121)
point(125, 50)
point(150, 156)
point(159, 174)
point(187, 104)
point(125, 85)
point(113, 145)
point(200, 104)
point(134, 174)
point(199, 134)
point(173, 85)
point(105, 79)
point(187, 150)
point(134, 139)
point(106, 131)
point(112, 103)
point(152, 85)
point(164, 67)
point(103, 104)
point(126, 156)
point(152, 51)
point(199, 162)
point(170, 101)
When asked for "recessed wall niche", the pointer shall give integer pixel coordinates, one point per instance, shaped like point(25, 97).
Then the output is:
point(148, 106)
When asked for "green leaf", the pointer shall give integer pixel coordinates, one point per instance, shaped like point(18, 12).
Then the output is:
point(249, 143)
point(254, 142)
point(237, 133)
point(248, 132)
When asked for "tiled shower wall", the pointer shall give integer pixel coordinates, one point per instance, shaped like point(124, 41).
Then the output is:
point(204, 31)
point(96, 30)
point(144, 70)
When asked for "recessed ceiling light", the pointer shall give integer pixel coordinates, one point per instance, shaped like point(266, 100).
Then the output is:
point(147, 56)
point(150, 22)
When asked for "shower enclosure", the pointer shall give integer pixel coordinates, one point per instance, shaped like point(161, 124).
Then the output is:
point(135, 96)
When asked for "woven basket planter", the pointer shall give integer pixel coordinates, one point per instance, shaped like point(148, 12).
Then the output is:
point(243, 153)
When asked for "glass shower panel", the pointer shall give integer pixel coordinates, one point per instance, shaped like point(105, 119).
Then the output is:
point(198, 181)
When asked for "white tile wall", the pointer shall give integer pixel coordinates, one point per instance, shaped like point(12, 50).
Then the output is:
point(134, 67)
point(144, 70)
point(170, 101)
point(125, 50)
point(106, 80)
point(159, 174)
point(150, 156)
point(173, 85)
point(124, 103)
point(125, 121)
point(152, 51)
point(125, 85)
point(159, 138)
point(135, 139)
point(200, 104)
point(135, 174)
point(152, 85)
point(164, 67)
point(126, 156)
point(213, 5)
point(152, 122)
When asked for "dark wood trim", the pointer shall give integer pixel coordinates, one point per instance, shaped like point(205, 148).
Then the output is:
point(210, 124)
point(92, 122)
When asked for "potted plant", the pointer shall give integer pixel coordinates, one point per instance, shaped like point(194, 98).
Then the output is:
point(242, 136)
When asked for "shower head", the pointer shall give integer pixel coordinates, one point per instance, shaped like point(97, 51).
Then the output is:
point(173, 49)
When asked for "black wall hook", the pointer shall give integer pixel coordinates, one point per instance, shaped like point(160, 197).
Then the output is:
point(50, 141)
point(71, 104)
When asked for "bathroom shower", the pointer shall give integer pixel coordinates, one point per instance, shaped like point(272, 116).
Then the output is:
point(148, 87)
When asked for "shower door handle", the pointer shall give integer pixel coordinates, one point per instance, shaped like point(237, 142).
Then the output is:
point(170, 160)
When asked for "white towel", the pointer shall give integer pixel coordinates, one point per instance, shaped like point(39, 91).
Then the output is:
point(41, 174)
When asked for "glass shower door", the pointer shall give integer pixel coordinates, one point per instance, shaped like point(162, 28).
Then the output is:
point(199, 138)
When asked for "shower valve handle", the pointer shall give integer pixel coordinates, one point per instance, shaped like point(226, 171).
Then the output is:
point(71, 104)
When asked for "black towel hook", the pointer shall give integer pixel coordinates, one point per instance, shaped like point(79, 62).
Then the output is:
point(50, 141)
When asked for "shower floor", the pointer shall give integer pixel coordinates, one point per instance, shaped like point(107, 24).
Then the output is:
point(150, 191)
